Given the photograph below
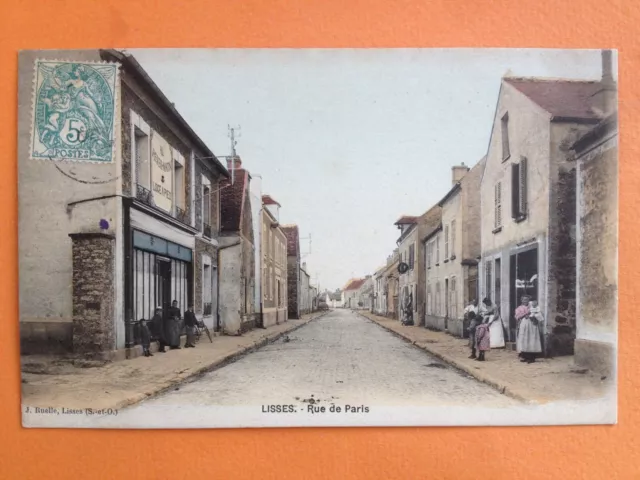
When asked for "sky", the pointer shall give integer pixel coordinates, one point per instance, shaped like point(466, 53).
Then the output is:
point(348, 141)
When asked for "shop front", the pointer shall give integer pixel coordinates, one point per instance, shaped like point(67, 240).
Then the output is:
point(523, 281)
point(161, 270)
point(512, 272)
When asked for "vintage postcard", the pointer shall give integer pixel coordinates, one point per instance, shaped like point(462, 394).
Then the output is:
point(233, 238)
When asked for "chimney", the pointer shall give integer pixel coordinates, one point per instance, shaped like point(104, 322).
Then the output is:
point(605, 99)
point(457, 172)
point(234, 163)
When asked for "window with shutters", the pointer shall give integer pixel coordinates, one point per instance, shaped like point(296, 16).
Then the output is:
point(437, 250)
point(431, 250)
point(437, 312)
point(453, 239)
point(429, 301)
point(506, 151)
point(519, 190)
point(446, 243)
point(453, 310)
point(498, 208)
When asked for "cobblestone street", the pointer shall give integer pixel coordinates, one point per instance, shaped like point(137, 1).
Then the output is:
point(341, 357)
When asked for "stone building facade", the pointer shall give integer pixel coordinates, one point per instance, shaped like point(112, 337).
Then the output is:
point(130, 216)
point(379, 291)
point(597, 255)
point(274, 265)
point(528, 202)
point(392, 286)
point(236, 254)
point(293, 270)
point(452, 250)
point(306, 296)
point(408, 251)
point(350, 293)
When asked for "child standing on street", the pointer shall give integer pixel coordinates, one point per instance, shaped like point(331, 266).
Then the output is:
point(145, 337)
point(483, 340)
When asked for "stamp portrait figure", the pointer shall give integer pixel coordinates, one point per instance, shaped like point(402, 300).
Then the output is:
point(74, 108)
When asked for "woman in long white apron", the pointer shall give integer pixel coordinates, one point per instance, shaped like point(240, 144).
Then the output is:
point(496, 328)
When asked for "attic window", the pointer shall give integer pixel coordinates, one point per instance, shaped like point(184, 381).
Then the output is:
point(506, 152)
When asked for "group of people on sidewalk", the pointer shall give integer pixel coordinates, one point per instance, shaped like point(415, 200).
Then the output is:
point(166, 329)
point(486, 330)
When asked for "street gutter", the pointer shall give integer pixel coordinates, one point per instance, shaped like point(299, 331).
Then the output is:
point(198, 373)
point(478, 375)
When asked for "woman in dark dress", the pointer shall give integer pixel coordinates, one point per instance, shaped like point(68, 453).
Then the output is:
point(158, 329)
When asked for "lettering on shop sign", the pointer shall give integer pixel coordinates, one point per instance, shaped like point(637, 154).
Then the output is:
point(161, 172)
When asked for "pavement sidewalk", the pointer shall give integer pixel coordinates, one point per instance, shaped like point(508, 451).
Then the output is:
point(546, 380)
point(119, 384)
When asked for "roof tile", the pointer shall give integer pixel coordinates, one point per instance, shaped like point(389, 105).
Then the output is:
point(571, 99)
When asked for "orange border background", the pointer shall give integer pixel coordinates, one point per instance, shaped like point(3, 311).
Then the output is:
point(451, 453)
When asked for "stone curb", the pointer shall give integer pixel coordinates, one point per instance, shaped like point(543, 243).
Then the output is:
point(185, 377)
point(478, 375)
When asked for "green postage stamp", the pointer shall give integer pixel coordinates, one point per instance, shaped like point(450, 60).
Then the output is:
point(74, 111)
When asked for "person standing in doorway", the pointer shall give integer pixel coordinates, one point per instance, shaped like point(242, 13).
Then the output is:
point(190, 322)
point(521, 312)
point(174, 326)
point(408, 318)
point(158, 329)
point(528, 339)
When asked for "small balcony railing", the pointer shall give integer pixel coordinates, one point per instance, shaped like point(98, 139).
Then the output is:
point(206, 230)
point(207, 309)
point(144, 195)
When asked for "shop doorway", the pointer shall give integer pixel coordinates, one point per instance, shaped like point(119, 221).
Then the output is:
point(523, 275)
point(163, 282)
